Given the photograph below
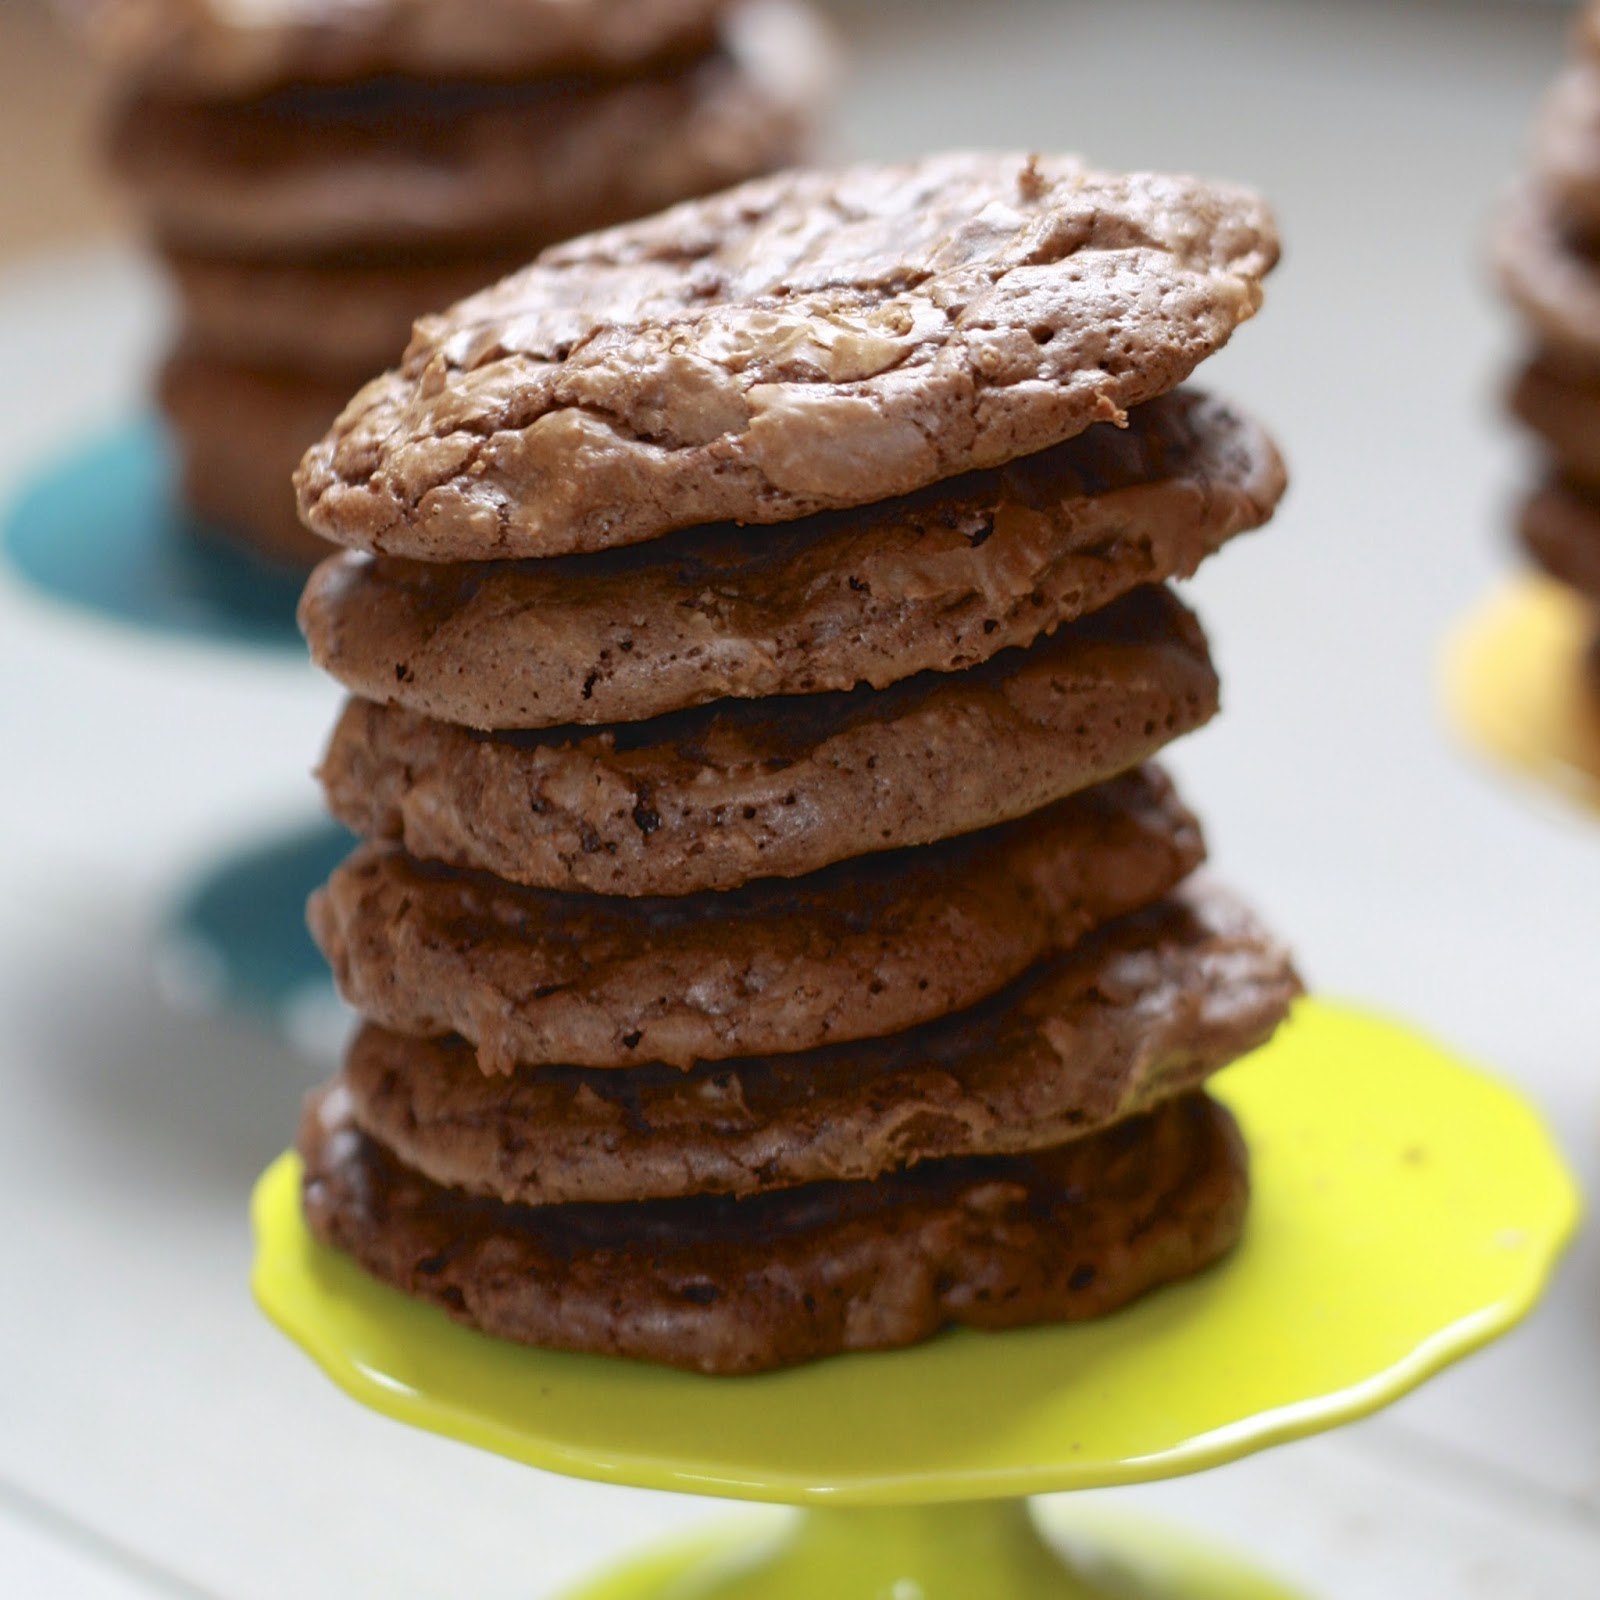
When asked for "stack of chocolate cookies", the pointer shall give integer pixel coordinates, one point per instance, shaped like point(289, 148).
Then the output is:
point(1548, 254)
point(318, 173)
point(770, 937)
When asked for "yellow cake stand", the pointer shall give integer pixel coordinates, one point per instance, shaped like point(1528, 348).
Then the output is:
point(1407, 1209)
point(1517, 686)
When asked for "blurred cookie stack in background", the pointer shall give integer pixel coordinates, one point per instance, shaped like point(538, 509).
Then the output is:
point(1548, 256)
point(318, 173)
point(769, 937)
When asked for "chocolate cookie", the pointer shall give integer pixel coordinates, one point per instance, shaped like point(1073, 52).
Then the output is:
point(729, 1286)
point(810, 341)
point(1145, 1009)
point(1560, 528)
point(1552, 282)
point(1563, 408)
point(396, 162)
point(335, 320)
point(238, 433)
point(938, 581)
point(711, 798)
point(863, 949)
point(1567, 147)
point(219, 49)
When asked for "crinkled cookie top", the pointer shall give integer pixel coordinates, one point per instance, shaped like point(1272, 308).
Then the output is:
point(814, 340)
point(228, 47)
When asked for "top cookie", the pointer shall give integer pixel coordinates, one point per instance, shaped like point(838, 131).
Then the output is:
point(800, 343)
point(1566, 154)
point(237, 47)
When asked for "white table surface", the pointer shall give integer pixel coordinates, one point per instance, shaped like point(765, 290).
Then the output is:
point(157, 1439)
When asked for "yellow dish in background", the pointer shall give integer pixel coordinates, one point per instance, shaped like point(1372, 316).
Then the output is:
point(1517, 685)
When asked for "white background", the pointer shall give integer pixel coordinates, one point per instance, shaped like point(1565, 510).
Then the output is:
point(156, 1438)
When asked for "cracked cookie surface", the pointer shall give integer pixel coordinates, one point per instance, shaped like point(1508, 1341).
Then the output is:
point(810, 341)
point(862, 949)
point(1142, 1010)
point(712, 798)
point(937, 581)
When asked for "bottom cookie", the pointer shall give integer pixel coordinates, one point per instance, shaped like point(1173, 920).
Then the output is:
point(727, 1286)
point(240, 435)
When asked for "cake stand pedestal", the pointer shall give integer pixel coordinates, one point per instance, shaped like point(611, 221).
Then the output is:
point(1407, 1210)
point(967, 1550)
point(1518, 688)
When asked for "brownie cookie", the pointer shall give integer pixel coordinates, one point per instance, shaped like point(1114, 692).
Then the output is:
point(335, 320)
point(865, 948)
point(937, 581)
point(391, 162)
point(239, 432)
point(711, 798)
point(810, 341)
point(1563, 408)
point(1552, 283)
point(220, 49)
point(1143, 1010)
point(1560, 529)
point(718, 1285)
point(1567, 147)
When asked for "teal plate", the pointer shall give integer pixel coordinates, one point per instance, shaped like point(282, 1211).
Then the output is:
point(101, 530)
point(237, 940)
